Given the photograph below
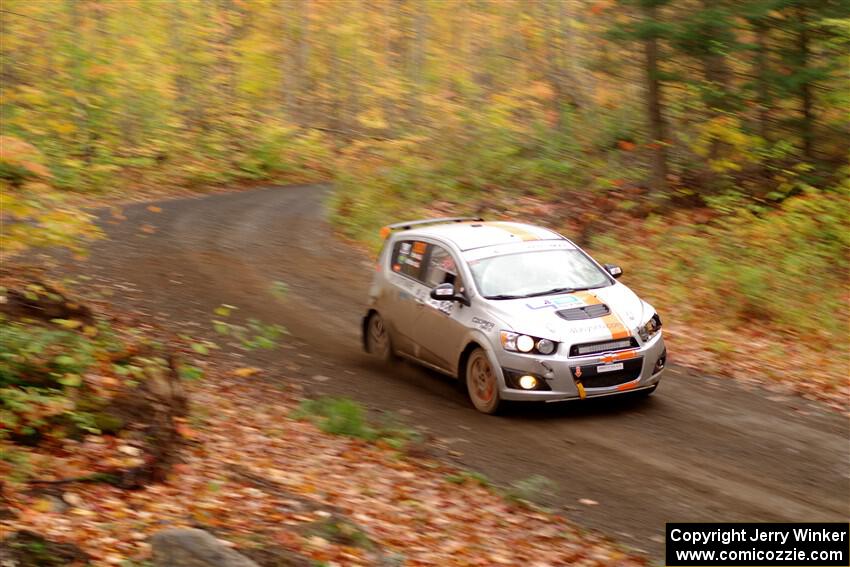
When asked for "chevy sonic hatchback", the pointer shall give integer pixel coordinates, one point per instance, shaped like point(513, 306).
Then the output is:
point(516, 312)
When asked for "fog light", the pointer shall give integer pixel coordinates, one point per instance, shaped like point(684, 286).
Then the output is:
point(524, 380)
point(659, 364)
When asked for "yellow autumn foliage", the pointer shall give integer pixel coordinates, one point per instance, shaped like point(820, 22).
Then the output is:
point(34, 214)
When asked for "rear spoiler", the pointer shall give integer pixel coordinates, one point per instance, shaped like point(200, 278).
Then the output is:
point(385, 231)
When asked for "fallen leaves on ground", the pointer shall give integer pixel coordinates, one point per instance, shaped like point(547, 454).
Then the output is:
point(255, 476)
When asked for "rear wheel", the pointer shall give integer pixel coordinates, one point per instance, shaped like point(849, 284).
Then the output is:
point(378, 339)
point(482, 385)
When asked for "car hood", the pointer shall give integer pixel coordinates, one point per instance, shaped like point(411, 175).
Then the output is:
point(538, 316)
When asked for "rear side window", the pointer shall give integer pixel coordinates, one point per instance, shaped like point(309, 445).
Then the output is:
point(409, 258)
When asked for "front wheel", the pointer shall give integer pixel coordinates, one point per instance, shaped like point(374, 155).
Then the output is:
point(378, 339)
point(482, 385)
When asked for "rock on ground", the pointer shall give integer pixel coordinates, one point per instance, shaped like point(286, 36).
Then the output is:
point(194, 548)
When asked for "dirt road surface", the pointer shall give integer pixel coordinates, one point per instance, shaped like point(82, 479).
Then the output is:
point(701, 449)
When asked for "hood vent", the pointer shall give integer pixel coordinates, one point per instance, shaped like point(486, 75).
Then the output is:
point(586, 312)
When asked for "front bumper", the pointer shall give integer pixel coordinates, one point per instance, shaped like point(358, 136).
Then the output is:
point(559, 372)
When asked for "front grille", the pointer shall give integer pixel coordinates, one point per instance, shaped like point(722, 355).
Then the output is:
point(588, 349)
point(586, 312)
point(592, 379)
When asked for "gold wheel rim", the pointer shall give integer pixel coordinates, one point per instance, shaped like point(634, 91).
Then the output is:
point(378, 335)
point(483, 379)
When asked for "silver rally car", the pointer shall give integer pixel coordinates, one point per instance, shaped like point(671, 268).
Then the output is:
point(515, 311)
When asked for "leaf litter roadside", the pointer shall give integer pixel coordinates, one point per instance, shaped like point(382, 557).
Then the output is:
point(271, 473)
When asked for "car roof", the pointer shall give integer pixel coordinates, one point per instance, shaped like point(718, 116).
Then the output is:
point(477, 234)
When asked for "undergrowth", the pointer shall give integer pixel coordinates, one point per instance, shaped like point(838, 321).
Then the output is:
point(342, 416)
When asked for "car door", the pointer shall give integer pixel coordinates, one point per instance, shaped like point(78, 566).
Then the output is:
point(439, 329)
point(407, 294)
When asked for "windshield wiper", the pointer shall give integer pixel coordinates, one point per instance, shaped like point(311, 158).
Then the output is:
point(555, 290)
point(552, 291)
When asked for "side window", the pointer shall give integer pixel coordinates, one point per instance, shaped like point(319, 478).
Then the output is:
point(408, 258)
point(442, 269)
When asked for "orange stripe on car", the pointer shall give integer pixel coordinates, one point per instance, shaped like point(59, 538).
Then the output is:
point(587, 297)
point(518, 231)
point(615, 326)
point(627, 386)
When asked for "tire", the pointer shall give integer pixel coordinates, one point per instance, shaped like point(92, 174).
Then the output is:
point(378, 342)
point(482, 385)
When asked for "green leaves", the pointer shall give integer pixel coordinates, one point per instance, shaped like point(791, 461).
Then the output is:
point(190, 372)
point(72, 380)
point(342, 416)
point(224, 310)
point(200, 348)
point(254, 335)
point(279, 289)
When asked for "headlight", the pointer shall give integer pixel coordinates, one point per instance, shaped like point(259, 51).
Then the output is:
point(650, 328)
point(524, 343)
point(516, 342)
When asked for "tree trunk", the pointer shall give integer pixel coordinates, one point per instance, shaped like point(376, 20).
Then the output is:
point(80, 83)
point(417, 61)
point(288, 81)
point(762, 79)
point(657, 125)
point(806, 102)
point(302, 75)
point(569, 53)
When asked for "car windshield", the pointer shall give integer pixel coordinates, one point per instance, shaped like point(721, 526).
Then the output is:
point(528, 274)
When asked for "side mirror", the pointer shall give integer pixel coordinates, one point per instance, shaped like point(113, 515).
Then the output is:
point(615, 271)
point(443, 292)
point(447, 292)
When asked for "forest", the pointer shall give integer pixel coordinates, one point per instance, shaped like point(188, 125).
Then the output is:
point(704, 142)
point(702, 145)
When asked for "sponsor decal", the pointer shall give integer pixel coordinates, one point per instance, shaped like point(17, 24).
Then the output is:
point(588, 329)
point(409, 257)
point(445, 307)
point(490, 251)
point(554, 302)
point(483, 324)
